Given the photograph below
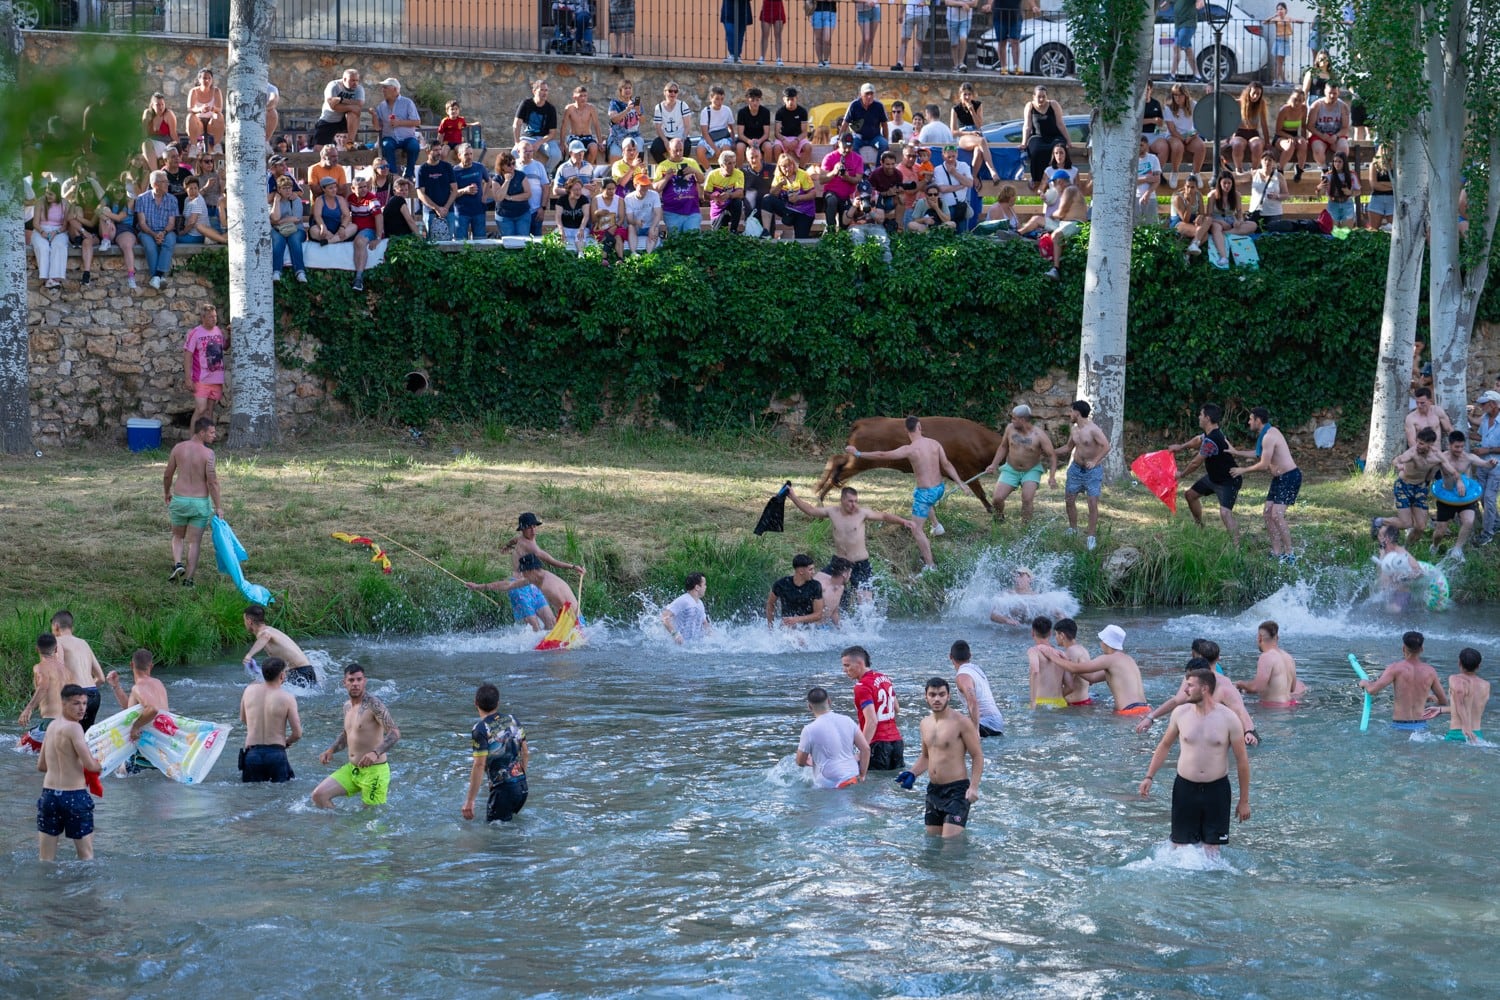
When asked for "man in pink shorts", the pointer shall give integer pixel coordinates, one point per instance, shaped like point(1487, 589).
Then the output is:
point(203, 359)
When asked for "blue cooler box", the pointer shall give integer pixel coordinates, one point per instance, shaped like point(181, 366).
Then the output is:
point(143, 433)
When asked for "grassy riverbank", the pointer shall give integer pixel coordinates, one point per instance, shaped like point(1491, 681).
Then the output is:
point(638, 508)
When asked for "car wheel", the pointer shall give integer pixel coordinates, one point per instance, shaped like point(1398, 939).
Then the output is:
point(26, 15)
point(1053, 61)
point(1225, 63)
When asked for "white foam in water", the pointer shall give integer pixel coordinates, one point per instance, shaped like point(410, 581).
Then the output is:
point(787, 774)
point(749, 633)
point(994, 574)
point(1169, 857)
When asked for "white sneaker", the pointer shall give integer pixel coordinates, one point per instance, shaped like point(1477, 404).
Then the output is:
point(1071, 532)
point(130, 282)
point(937, 528)
point(302, 277)
point(156, 281)
point(780, 63)
point(1052, 273)
point(760, 62)
point(275, 277)
point(1090, 543)
point(104, 245)
point(1194, 248)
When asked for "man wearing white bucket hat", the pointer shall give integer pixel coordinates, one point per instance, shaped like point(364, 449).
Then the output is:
point(1119, 669)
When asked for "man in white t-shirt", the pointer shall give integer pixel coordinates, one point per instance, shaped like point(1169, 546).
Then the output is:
point(934, 132)
point(953, 178)
point(1147, 180)
point(343, 103)
point(832, 745)
point(974, 686)
point(685, 618)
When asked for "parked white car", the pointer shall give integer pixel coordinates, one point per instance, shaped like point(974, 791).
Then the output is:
point(1047, 45)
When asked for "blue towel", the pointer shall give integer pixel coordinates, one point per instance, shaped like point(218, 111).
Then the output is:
point(229, 553)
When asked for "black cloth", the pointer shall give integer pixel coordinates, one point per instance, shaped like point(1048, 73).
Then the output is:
point(1200, 811)
point(536, 119)
point(506, 799)
point(946, 803)
point(92, 711)
point(791, 120)
point(774, 516)
point(265, 762)
point(756, 124)
point(888, 755)
point(797, 601)
point(1216, 458)
point(395, 222)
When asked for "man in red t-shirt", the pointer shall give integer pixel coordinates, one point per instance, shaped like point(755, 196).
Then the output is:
point(875, 709)
point(369, 226)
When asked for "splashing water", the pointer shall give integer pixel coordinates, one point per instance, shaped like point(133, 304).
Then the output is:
point(748, 633)
point(1169, 857)
point(994, 575)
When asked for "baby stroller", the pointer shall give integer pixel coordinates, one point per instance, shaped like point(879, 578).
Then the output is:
point(572, 28)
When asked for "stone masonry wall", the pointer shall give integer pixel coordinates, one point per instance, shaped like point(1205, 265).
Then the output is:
point(101, 353)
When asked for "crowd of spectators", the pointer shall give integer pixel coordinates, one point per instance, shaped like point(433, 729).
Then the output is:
point(591, 173)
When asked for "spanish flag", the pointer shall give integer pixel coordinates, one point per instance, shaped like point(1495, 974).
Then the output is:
point(565, 634)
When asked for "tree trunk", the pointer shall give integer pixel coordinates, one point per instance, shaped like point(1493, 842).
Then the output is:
point(252, 355)
point(1403, 298)
point(15, 353)
point(1448, 86)
point(1115, 140)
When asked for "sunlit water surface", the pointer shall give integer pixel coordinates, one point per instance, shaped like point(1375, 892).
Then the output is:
point(672, 848)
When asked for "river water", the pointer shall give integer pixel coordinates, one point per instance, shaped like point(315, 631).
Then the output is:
point(671, 847)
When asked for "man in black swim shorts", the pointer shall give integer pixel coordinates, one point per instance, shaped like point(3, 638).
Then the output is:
point(1213, 453)
point(947, 737)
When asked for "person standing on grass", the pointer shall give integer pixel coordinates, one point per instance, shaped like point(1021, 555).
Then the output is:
point(203, 362)
point(1088, 445)
point(196, 501)
point(65, 807)
point(1273, 453)
point(929, 464)
point(1217, 458)
point(1200, 795)
point(501, 754)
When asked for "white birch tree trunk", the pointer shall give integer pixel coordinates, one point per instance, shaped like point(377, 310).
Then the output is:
point(1448, 85)
point(15, 353)
point(1403, 298)
point(1106, 284)
point(252, 355)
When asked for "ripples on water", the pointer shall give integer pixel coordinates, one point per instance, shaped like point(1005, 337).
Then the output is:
point(671, 846)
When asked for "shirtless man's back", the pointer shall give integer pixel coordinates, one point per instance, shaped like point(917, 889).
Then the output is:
point(83, 665)
point(929, 464)
point(272, 724)
point(1275, 678)
point(1415, 681)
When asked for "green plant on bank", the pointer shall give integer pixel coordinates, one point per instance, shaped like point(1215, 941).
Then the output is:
point(428, 94)
point(705, 333)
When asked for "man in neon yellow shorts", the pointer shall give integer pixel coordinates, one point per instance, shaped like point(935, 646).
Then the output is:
point(369, 731)
point(196, 500)
point(1023, 445)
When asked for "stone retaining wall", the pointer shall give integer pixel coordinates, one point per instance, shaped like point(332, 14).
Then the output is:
point(101, 353)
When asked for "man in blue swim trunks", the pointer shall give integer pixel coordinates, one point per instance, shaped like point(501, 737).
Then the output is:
point(1415, 468)
point(929, 463)
point(65, 807)
point(1416, 684)
point(1272, 452)
point(527, 602)
point(1088, 444)
point(1023, 445)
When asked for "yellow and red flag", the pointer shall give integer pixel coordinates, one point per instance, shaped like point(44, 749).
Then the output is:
point(379, 556)
point(565, 634)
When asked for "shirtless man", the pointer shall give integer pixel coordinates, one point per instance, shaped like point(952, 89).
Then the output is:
point(974, 687)
point(369, 732)
point(1275, 671)
point(1067, 219)
point(1048, 680)
point(49, 675)
point(1011, 600)
point(1468, 694)
point(1416, 683)
point(580, 123)
point(1200, 795)
point(1415, 469)
point(550, 587)
point(1065, 630)
point(1224, 693)
point(65, 807)
point(946, 737)
point(527, 602)
point(929, 463)
point(1119, 669)
point(83, 666)
point(833, 578)
point(272, 724)
point(1088, 445)
point(274, 642)
point(1271, 452)
point(1466, 464)
point(196, 501)
point(145, 691)
point(1426, 414)
point(848, 520)
point(1019, 459)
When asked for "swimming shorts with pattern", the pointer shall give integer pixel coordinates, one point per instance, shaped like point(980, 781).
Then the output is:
point(1409, 495)
point(1134, 708)
point(1284, 488)
point(372, 783)
point(70, 813)
point(190, 512)
point(1013, 477)
point(526, 601)
point(924, 498)
point(946, 804)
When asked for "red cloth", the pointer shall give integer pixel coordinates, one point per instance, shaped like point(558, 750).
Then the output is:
point(1157, 471)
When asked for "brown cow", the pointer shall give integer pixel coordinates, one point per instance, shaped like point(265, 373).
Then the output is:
point(969, 446)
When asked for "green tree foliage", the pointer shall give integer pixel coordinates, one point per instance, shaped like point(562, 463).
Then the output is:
point(706, 332)
point(1105, 40)
point(88, 105)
